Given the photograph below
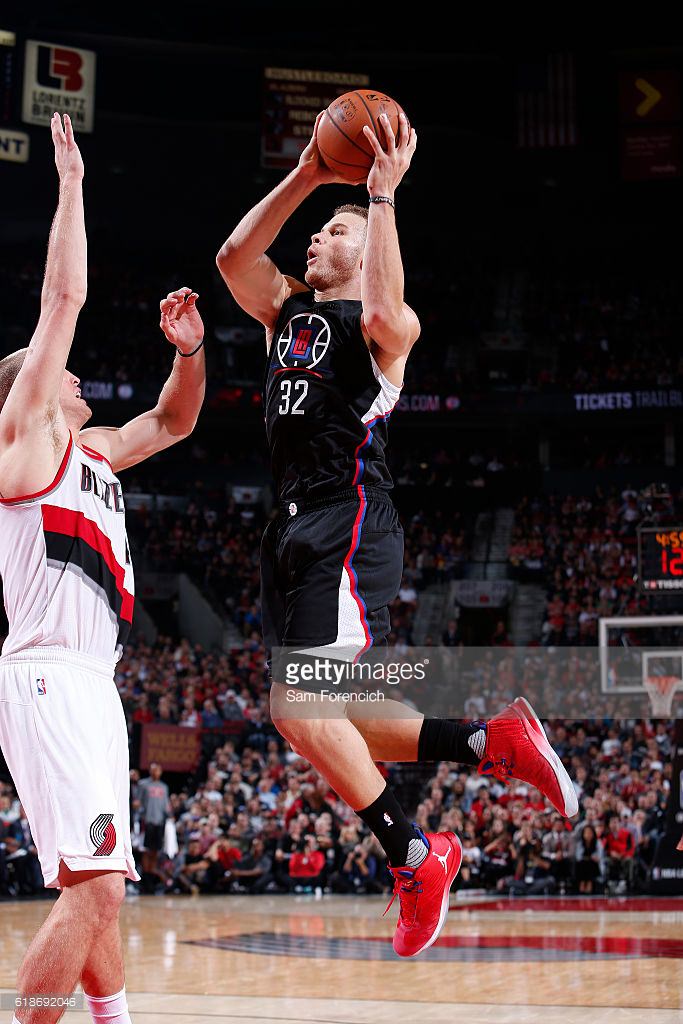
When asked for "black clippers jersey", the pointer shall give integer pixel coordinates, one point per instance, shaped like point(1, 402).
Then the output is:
point(326, 401)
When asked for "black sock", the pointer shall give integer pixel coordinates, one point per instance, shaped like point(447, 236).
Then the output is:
point(443, 740)
point(387, 821)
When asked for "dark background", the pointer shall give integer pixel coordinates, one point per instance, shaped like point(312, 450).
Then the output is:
point(174, 161)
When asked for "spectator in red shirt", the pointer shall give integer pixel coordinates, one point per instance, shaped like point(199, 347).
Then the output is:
point(620, 847)
point(307, 866)
point(143, 713)
point(222, 857)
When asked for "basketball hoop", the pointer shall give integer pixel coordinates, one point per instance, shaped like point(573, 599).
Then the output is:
point(661, 690)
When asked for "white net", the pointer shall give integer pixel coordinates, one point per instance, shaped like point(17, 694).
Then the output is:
point(661, 690)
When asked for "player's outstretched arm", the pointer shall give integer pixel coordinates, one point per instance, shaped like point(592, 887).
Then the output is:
point(255, 282)
point(33, 400)
point(64, 287)
point(391, 324)
point(174, 416)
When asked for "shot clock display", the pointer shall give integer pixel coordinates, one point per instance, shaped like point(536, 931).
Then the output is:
point(660, 558)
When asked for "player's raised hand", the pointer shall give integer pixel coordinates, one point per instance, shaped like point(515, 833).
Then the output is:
point(180, 319)
point(312, 163)
point(67, 154)
point(393, 160)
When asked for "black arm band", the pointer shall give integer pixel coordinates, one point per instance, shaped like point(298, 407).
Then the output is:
point(383, 199)
point(186, 355)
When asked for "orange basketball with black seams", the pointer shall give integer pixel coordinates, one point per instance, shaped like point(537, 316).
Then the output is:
point(341, 142)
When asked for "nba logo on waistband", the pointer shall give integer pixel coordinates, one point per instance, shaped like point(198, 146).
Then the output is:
point(40, 686)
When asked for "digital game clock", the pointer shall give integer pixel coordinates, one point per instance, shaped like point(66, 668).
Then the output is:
point(660, 558)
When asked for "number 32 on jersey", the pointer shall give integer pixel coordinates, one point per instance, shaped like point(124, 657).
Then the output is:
point(292, 394)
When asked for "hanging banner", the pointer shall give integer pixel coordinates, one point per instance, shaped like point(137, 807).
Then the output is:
point(13, 146)
point(292, 97)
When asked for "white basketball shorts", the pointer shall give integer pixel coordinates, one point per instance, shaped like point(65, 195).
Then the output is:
point(64, 737)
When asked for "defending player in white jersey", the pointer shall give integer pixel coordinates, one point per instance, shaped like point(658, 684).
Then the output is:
point(68, 588)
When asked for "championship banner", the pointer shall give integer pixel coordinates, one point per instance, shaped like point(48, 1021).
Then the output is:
point(175, 747)
point(292, 98)
point(667, 870)
point(59, 78)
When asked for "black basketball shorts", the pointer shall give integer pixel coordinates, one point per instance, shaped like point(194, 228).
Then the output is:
point(329, 569)
point(154, 837)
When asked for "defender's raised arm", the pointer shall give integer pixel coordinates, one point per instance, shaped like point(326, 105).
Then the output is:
point(174, 416)
point(64, 290)
point(32, 379)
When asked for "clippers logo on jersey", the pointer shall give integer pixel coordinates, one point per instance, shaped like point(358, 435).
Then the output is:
point(103, 835)
point(59, 68)
point(301, 345)
point(304, 340)
point(41, 688)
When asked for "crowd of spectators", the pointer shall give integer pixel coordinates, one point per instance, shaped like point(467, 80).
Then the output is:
point(424, 465)
point(218, 542)
point(19, 867)
point(584, 549)
point(255, 817)
point(540, 328)
point(118, 337)
point(605, 329)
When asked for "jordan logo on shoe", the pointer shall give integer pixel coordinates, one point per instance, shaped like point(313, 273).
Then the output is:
point(443, 859)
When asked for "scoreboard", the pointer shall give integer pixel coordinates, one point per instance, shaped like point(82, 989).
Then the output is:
point(660, 559)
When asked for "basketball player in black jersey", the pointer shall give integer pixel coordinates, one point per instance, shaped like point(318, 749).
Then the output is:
point(331, 563)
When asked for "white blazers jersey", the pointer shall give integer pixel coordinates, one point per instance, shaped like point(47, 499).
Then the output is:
point(65, 564)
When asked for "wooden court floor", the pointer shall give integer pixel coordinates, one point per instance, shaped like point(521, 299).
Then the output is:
point(230, 959)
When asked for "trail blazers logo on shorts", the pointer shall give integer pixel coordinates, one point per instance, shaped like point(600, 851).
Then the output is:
point(103, 835)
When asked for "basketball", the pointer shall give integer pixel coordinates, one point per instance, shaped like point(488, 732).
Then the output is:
point(341, 142)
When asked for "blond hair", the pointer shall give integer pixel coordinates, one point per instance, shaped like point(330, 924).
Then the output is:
point(9, 369)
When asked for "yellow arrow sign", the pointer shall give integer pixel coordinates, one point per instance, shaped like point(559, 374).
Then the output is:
point(652, 97)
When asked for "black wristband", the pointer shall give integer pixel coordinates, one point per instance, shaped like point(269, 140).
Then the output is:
point(186, 355)
point(383, 199)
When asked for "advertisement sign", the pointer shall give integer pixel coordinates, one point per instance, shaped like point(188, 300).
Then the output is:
point(174, 747)
point(14, 146)
point(58, 78)
point(650, 113)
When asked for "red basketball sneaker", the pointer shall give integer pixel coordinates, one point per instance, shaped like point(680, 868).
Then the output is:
point(517, 747)
point(423, 893)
